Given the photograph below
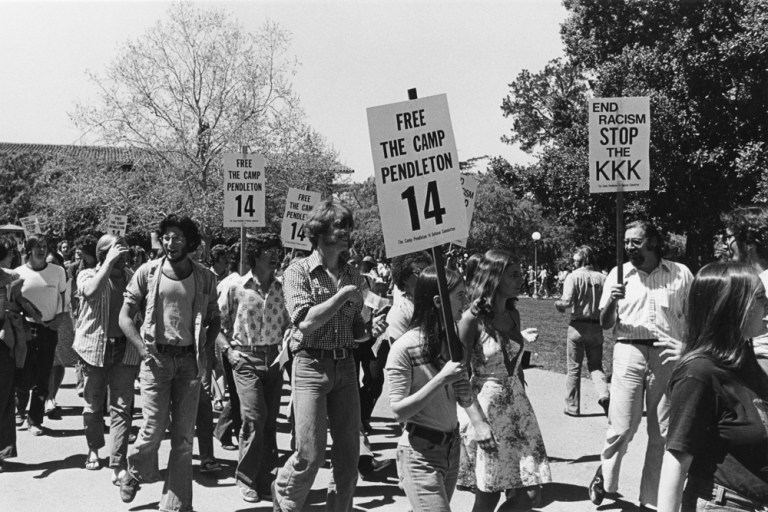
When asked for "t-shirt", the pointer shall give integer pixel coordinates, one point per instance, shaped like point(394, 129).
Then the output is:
point(408, 370)
point(175, 311)
point(399, 317)
point(717, 416)
point(43, 288)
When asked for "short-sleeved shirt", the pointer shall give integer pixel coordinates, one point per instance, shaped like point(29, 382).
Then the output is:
point(408, 370)
point(654, 304)
point(307, 284)
point(718, 417)
point(248, 316)
point(43, 288)
point(582, 291)
point(399, 317)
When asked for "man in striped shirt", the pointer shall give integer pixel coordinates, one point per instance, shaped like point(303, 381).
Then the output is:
point(324, 302)
point(107, 360)
point(646, 313)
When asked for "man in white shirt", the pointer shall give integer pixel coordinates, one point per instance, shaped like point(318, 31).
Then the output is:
point(646, 313)
point(44, 286)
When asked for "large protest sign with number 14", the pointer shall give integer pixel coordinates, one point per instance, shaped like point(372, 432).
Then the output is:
point(418, 184)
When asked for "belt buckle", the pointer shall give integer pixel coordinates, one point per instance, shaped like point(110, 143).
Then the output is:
point(339, 353)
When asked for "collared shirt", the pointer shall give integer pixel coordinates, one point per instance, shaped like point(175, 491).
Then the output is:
point(307, 284)
point(654, 304)
point(582, 291)
point(93, 321)
point(250, 318)
point(143, 291)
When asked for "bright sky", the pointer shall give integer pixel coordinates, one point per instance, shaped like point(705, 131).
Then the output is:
point(352, 54)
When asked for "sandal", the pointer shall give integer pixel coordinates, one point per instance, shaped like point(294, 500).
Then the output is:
point(93, 464)
point(209, 466)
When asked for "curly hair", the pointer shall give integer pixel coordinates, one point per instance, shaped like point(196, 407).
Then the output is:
point(750, 226)
point(187, 226)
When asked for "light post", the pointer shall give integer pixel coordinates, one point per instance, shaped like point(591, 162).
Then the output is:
point(536, 236)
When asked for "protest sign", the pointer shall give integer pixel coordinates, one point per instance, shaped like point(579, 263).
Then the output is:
point(298, 204)
point(619, 136)
point(417, 175)
point(30, 225)
point(469, 185)
point(244, 190)
point(117, 224)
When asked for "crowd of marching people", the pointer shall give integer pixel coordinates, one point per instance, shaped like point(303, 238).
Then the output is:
point(199, 334)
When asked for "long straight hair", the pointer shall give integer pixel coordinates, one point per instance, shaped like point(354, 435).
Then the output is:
point(719, 302)
point(426, 315)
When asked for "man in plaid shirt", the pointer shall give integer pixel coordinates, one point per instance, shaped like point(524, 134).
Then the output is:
point(324, 301)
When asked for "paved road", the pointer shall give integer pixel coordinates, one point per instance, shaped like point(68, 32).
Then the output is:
point(49, 474)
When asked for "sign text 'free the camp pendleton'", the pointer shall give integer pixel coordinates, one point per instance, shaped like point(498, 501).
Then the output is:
point(417, 175)
point(117, 224)
point(244, 190)
point(298, 204)
point(619, 136)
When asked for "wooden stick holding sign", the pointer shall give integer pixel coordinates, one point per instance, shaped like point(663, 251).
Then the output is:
point(243, 234)
point(442, 285)
point(620, 235)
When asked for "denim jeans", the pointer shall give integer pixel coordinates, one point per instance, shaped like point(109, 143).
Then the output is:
point(428, 472)
point(259, 385)
point(372, 366)
point(584, 338)
point(33, 380)
point(229, 419)
point(118, 378)
point(7, 403)
point(170, 389)
point(638, 378)
point(325, 394)
point(204, 418)
point(693, 502)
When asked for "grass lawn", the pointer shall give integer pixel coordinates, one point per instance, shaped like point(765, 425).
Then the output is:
point(549, 350)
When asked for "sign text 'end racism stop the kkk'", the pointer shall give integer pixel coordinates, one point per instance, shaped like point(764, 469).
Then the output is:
point(619, 138)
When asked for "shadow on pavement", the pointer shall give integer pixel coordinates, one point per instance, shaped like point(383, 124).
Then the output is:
point(148, 506)
point(49, 467)
point(382, 495)
point(583, 458)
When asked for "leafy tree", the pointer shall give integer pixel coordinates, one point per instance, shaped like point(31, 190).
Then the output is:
point(190, 88)
point(20, 177)
point(703, 66)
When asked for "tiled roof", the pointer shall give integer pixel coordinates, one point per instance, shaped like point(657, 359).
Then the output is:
point(103, 154)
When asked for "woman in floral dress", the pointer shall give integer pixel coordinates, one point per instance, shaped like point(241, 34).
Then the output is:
point(503, 443)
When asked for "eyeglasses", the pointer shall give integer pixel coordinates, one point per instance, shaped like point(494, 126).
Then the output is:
point(271, 251)
point(171, 239)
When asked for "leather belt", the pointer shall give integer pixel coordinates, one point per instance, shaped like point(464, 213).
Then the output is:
point(430, 434)
point(256, 349)
point(648, 342)
point(320, 353)
point(175, 350)
point(722, 496)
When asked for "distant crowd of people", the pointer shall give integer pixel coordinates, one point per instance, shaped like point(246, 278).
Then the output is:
point(199, 334)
